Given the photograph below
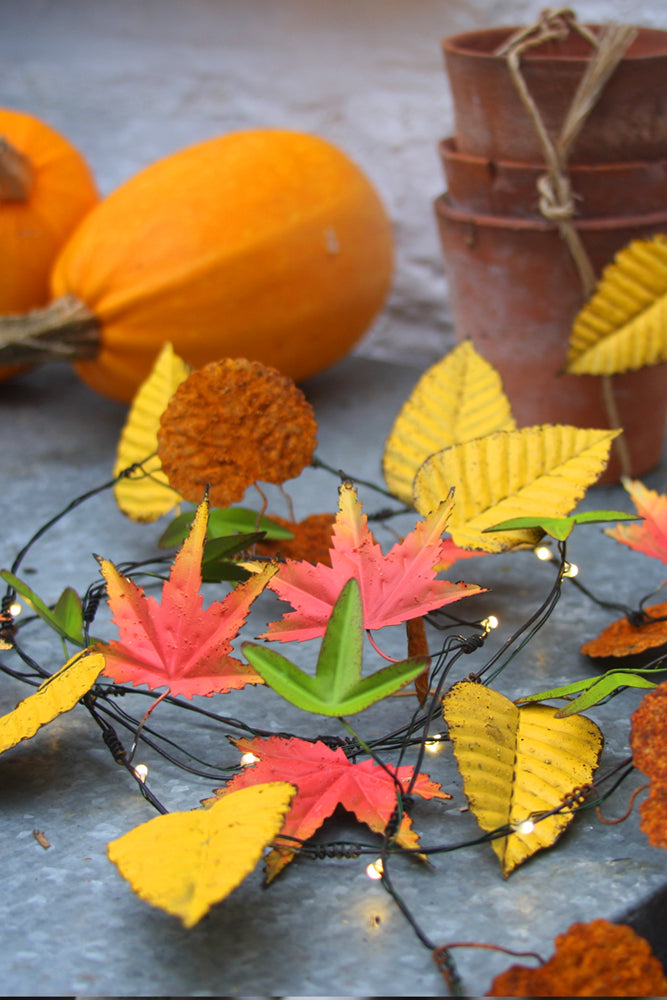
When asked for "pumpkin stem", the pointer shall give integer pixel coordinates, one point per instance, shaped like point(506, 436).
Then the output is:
point(64, 330)
point(16, 173)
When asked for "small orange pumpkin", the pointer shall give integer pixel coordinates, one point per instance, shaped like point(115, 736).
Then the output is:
point(46, 188)
point(267, 244)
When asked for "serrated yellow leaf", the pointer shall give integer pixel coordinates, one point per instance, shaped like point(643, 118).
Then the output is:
point(147, 495)
point(624, 325)
point(184, 862)
point(458, 399)
point(517, 763)
point(534, 471)
point(57, 694)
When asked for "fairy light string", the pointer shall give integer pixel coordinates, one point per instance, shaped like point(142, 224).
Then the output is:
point(105, 705)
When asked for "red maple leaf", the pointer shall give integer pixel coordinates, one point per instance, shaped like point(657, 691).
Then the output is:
point(394, 587)
point(177, 643)
point(649, 536)
point(324, 779)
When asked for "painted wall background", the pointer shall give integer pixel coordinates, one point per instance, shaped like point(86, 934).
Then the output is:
point(129, 81)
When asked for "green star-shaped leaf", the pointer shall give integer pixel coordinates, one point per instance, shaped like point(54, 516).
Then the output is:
point(337, 687)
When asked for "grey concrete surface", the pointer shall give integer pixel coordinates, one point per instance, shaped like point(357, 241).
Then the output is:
point(73, 926)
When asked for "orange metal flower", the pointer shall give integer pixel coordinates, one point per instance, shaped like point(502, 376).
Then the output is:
point(230, 424)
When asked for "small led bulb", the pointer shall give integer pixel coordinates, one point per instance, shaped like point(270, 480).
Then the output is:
point(375, 870)
point(544, 553)
point(571, 569)
point(434, 744)
point(141, 772)
point(489, 623)
point(15, 609)
point(525, 827)
point(248, 758)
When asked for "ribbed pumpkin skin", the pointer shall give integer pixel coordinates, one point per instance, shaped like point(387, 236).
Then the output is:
point(268, 244)
point(33, 232)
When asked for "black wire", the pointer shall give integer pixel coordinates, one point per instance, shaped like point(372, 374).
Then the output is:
point(118, 752)
point(54, 520)
point(534, 623)
point(318, 463)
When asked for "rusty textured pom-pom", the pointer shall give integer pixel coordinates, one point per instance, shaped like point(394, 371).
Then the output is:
point(648, 739)
point(230, 424)
point(598, 959)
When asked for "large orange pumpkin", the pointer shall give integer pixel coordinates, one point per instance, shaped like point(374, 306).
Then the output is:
point(269, 245)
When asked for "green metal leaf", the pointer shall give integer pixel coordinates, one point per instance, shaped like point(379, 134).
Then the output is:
point(223, 522)
point(593, 690)
point(64, 619)
point(217, 552)
point(337, 687)
point(68, 612)
point(560, 692)
point(606, 685)
point(561, 527)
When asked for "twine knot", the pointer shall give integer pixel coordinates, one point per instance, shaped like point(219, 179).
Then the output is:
point(556, 197)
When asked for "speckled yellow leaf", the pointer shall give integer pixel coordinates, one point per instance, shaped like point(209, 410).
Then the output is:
point(185, 862)
point(146, 494)
point(623, 326)
point(517, 763)
point(57, 694)
point(534, 471)
point(458, 399)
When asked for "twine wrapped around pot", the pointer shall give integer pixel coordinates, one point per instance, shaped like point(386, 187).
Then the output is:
point(557, 200)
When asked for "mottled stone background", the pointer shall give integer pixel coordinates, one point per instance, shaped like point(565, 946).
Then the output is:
point(132, 80)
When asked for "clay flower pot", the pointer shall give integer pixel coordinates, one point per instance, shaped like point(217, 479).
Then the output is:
point(500, 187)
point(514, 290)
point(628, 122)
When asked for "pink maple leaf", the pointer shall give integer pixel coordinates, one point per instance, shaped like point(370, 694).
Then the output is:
point(177, 643)
point(324, 779)
point(451, 553)
point(394, 588)
point(649, 536)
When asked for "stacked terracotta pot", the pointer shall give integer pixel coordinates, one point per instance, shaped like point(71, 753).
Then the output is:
point(514, 287)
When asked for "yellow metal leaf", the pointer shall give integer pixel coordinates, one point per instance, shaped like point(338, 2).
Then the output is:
point(518, 763)
point(534, 471)
point(458, 399)
point(184, 862)
point(624, 325)
point(147, 495)
point(56, 695)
